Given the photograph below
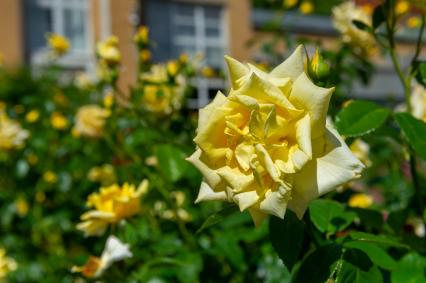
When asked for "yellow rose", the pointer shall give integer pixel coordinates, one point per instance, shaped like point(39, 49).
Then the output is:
point(58, 44)
point(142, 36)
point(361, 150)
point(11, 133)
point(83, 81)
point(21, 206)
point(104, 174)
point(50, 177)
point(7, 264)
point(32, 116)
point(306, 7)
point(414, 22)
point(58, 121)
point(90, 120)
point(266, 146)
point(343, 15)
point(418, 102)
point(289, 3)
point(360, 200)
point(160, 96)
point(108, 51)
point(111, 205)
point(145, 55)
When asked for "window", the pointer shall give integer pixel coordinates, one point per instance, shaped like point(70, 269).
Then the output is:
point(66, 17)
point(182, 27)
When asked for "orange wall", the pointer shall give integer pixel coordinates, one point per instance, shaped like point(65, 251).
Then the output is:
point(239, 28)
point(11, 32)
point(123, 28)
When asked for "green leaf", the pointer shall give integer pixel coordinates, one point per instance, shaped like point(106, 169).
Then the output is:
point(411, 268)
point(377, 254)
point(362, 26)
point(377, 239)
point(419, 68)
point(415, 132)
point(360, 118)
point(369, 217)
point(218, 217)
point(358, 268)
point(287, 237)
point(330, 216)
point(378, 16)
point(171, 161)
point(424, 215)
point(319, 265)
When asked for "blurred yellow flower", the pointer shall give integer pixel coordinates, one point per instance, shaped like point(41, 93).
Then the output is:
point(413, 22)
point(361, 150)
point(183, 58)
point(289, 3)
point(2, 106)
point(40, 197)
point(60, 98)
point(90, 120)
point(343, 17)
point(306, 7)
point(82, 80)
point(418, 102)
point(108, 99)
point(368, 8)
point(159, 96)
point(32, 116)
point(402, 7)
point(145, 55)
point(22, 207)
point(360, 200)
point(58, 44)
point(151, 160)
point(208, 72)
point(11, 133)
point(114, 251)
point(178, 212)
point(32, 159)
point(267, 146)
point(104, 174)
point(7, 265)
point(50, 177)
point(58, 121)
point(172, 68)
point(19, 108)
point(108, 51)
point(142, 35)
point(111, 205)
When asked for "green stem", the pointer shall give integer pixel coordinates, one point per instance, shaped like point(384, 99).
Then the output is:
point(406, 83)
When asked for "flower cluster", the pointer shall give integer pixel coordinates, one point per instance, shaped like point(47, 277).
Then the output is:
point(12, 135)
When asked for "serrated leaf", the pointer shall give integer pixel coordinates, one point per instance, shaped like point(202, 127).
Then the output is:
point(319, 265)
point(360, 118)
point(358, 268)
point(287, 237)
point(330, 216)
point(377, 239)
point(218, 217)
point(171, 161)
point(415, 132)
point(377, 254)
point(411, 268)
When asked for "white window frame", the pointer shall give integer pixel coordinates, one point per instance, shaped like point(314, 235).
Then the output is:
point(77, 58)
point(202, 42)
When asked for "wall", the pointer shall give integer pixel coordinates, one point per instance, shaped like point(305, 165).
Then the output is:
point(11, 32)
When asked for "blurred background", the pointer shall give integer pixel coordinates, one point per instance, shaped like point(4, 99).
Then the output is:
point(244, 29)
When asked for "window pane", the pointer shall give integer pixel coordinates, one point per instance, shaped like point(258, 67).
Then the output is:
point(213, 31)
point(214, 57)
point(185, 10)
point(212, 12)
point(185, 30)
point(74, 21)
